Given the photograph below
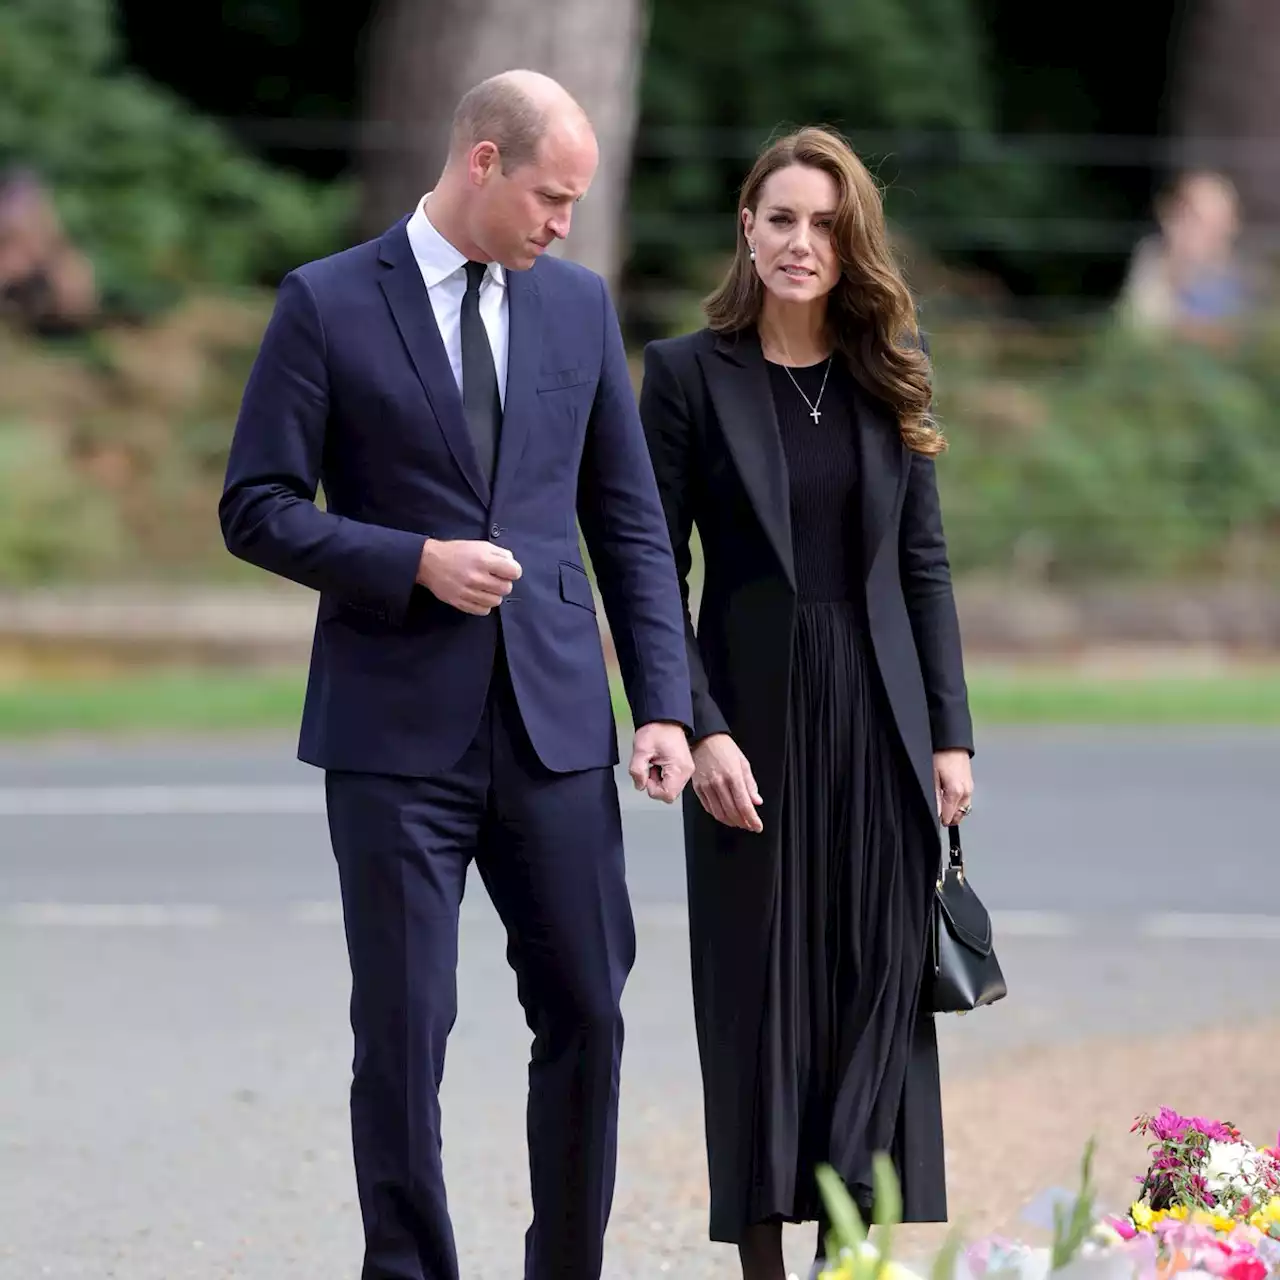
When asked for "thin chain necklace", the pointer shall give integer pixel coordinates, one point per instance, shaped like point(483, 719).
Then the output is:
point(814, 412)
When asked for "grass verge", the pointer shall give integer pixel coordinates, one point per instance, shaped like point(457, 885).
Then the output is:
point(201, 701)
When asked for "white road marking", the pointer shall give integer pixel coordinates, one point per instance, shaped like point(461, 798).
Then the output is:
point(1209, 927)
point(225, 800)
point(1169, 926)
point(1033, 924)
point(152, 801)
point(114, 915)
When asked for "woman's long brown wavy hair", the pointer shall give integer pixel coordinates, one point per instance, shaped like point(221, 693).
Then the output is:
point(870, 312)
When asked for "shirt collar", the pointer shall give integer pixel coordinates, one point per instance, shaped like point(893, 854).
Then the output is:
point(437, 258)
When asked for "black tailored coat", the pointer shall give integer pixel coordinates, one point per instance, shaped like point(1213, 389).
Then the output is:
point(708, 415)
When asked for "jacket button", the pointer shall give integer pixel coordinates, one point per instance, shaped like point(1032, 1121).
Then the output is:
point(495, 531)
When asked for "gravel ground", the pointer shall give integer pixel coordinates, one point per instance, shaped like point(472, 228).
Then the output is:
point(1014, 1129)
point(172, 1102)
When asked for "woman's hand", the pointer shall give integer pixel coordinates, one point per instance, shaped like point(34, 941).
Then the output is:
point(722, 781)
point(953, 783)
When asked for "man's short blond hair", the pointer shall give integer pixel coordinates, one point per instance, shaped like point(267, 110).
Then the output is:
point(499, 111)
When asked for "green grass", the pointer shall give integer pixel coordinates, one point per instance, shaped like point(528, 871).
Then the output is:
point(157, 701)
point(195, 701)
point(1039, 697)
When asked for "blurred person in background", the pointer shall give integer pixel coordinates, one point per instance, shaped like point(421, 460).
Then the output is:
point(1188, 279)
point(831, 721)
point(46, 284)
point(464, 399)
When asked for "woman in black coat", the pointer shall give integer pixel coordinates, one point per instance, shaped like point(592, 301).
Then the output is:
point(831, 718)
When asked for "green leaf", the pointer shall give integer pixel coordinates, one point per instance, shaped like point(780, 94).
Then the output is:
point(886, 1207)
point(1071, 1228)
point(847, 1228)
point(944, 1262)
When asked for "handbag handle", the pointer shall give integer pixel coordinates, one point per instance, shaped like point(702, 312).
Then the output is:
point(955, 859)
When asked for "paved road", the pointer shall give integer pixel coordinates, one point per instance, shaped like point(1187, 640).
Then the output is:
point(173, 1051)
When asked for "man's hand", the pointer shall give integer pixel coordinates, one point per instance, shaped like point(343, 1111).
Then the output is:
point(724, 783)
point(472, 576)
point(660, 761)
point(953, 781)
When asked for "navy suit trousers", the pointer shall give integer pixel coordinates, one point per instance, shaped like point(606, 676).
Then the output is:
point(548, 847)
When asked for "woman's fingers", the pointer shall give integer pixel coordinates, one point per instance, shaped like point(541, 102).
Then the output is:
point(728, 802)
point(740, 798)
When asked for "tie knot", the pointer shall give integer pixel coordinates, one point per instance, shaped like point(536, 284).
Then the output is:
point(475, 274)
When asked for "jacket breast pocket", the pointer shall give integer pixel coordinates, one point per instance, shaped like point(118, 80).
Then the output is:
point(575, 586)
point(563, 379)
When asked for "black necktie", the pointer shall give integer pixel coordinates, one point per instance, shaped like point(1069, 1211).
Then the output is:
point(479, 380)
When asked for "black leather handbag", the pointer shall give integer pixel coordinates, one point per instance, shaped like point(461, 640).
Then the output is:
point(966, 973)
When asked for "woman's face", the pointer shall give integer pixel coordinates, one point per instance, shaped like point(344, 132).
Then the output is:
point(1202, 223)
point(791, 233)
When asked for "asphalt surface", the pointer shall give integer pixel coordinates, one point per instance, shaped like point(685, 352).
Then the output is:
point(174, 1052)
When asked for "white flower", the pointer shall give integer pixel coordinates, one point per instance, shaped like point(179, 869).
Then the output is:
point(1100, 1265)
point(1106, 1235)
point(1233, 1164)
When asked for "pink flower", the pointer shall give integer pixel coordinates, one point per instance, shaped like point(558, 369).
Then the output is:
point(1168, 1125)
point(1246, 1268)
point(1214, 1130)
point(1123, 1227)
point(1201, 1188)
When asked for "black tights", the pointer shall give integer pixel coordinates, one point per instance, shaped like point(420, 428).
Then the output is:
point(760, 1250)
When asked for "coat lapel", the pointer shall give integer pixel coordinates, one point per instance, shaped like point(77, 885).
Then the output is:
point(743, 400)
point(881, 472)
point(410, 305)
point(524, 355)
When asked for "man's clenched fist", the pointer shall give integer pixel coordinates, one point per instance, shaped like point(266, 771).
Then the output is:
point(472, 576)
point(660, 760)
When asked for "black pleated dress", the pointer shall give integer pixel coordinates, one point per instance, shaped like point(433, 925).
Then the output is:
point(849, 916)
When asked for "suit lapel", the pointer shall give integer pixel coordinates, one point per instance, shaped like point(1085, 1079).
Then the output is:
point(881, 471)
point(410, 305)
point(524, 355)
point(743, 400)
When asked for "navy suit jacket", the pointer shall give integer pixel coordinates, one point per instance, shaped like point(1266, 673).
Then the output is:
point(352, 391)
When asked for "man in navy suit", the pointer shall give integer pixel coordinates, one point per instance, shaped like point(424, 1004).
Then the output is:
point(465, 403)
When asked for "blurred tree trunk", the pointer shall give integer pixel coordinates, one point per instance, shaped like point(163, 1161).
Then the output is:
point(1226, 110)
point(424, 54)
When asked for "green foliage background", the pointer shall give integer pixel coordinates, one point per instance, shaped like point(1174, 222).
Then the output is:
point(157, 195)
point(1074, 454)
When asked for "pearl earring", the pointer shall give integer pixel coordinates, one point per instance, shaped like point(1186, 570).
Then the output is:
point(753, 250)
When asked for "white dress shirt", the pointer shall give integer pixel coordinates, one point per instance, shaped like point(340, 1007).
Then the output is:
point(444, 273)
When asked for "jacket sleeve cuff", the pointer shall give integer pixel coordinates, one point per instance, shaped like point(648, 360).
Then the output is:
point(400, 556)
point(952, 732)
point(707, 719)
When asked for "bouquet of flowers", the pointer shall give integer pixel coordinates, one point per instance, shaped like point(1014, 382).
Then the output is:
point(1209, 1201)
point(1200, 1165)
point(1209, 1206)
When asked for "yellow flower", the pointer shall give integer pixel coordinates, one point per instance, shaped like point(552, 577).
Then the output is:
point(1268, 1216)
point(1178, 1213)
point(1142, 1216)
point(844, 1270)
point(896, 1271)
point(1218, 1221)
